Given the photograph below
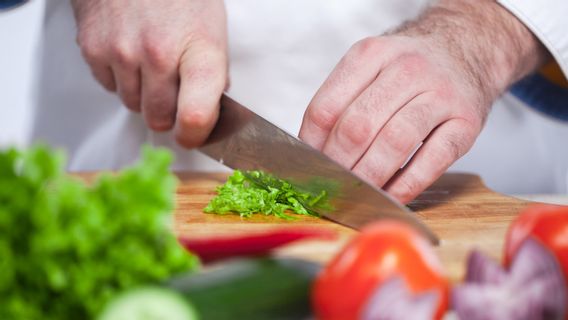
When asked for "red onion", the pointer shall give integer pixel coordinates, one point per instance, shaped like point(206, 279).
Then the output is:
point(393, 301)
point(532, 289)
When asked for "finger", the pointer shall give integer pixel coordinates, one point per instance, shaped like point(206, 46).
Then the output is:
point(399, 138)
point(444, 146)
point(361, 122)
point(159, 93)
point(128, 83)
point(96, 58)
point(203, 72)
point(352, 75)
point(104, 76)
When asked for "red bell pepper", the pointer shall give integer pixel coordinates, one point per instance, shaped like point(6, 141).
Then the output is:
point(218, 248)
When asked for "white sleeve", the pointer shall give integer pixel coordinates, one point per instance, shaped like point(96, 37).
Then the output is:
point(548, 20)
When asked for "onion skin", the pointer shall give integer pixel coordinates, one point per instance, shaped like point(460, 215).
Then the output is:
point(532, 289)
point(393, 300)
point(483, 269)
point(545, 223)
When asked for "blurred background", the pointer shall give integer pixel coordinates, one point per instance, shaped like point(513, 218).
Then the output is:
point(19, 38)
point(513, 151)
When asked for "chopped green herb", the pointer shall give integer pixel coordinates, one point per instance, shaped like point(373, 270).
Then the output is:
point(66, 248)
point(247, 193)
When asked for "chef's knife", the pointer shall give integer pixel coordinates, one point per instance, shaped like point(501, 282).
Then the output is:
point(244, 140)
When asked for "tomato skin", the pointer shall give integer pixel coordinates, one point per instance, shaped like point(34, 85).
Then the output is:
point(381, 250)
point(549, 225)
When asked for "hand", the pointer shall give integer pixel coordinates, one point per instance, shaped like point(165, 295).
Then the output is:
point(167, 59)
point(428, 85)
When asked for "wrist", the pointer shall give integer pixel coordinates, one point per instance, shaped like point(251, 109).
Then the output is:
point(491, 46)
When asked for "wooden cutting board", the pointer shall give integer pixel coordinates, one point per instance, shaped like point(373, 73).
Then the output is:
point(458, 208)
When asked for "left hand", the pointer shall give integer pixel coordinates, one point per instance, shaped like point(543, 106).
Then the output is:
point(165, 59)
point(429, 86)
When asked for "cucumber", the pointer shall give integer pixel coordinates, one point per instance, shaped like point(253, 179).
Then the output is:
point(267, 288)
point(149, 303)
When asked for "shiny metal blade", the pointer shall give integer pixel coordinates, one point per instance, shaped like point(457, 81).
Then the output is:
point(246, 141)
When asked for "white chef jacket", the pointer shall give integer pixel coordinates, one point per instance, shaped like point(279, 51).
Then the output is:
point(280, 53)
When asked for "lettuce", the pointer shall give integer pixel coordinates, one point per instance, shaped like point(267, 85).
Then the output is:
point(249, 192)
point(66, 248)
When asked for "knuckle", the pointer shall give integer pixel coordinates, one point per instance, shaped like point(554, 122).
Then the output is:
point(365, 48)
point(321, 117)
point(194, 119)
point(399, 139)
point(354, 131)
point(159, 53)
point(90, 50)
point(123, 53)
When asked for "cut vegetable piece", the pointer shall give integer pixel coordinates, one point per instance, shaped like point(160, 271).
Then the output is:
point(217, 248)
point(483, 269)
point(149, 303)
point(393, 300)
point(251, 289)
point(382, 250)
point(247, 193)
point(533, 289)
point(546, 223)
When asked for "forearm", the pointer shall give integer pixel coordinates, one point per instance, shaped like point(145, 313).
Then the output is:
point(494, 48)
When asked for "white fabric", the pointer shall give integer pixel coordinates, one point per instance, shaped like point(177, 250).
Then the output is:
point(547, 19)
point(280, 51)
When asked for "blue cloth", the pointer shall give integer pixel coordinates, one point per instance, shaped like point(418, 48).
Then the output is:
point(543, 95)
point(7, 4)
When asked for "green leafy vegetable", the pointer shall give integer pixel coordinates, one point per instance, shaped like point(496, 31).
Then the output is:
point(67, 248)
point(247, 193)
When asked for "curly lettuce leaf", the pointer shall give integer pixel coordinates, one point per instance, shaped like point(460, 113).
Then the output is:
point(247, 193)
point(66, 248)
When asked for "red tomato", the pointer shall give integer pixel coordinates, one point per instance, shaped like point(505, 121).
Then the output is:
point(546, 223)
point(381, 250)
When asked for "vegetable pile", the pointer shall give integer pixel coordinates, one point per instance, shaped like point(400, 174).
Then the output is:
point(387, 269)
point(533, 283)
point(246, 193)
point(66, 248)
point(531, 288)
point(391, 272)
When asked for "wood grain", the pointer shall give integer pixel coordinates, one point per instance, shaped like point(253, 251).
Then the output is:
point(458, 207)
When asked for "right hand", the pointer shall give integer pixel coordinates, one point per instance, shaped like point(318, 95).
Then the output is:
point(166, 59)
point(427, 86)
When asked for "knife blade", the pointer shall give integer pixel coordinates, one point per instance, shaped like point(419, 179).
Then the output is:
point(244, 140)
